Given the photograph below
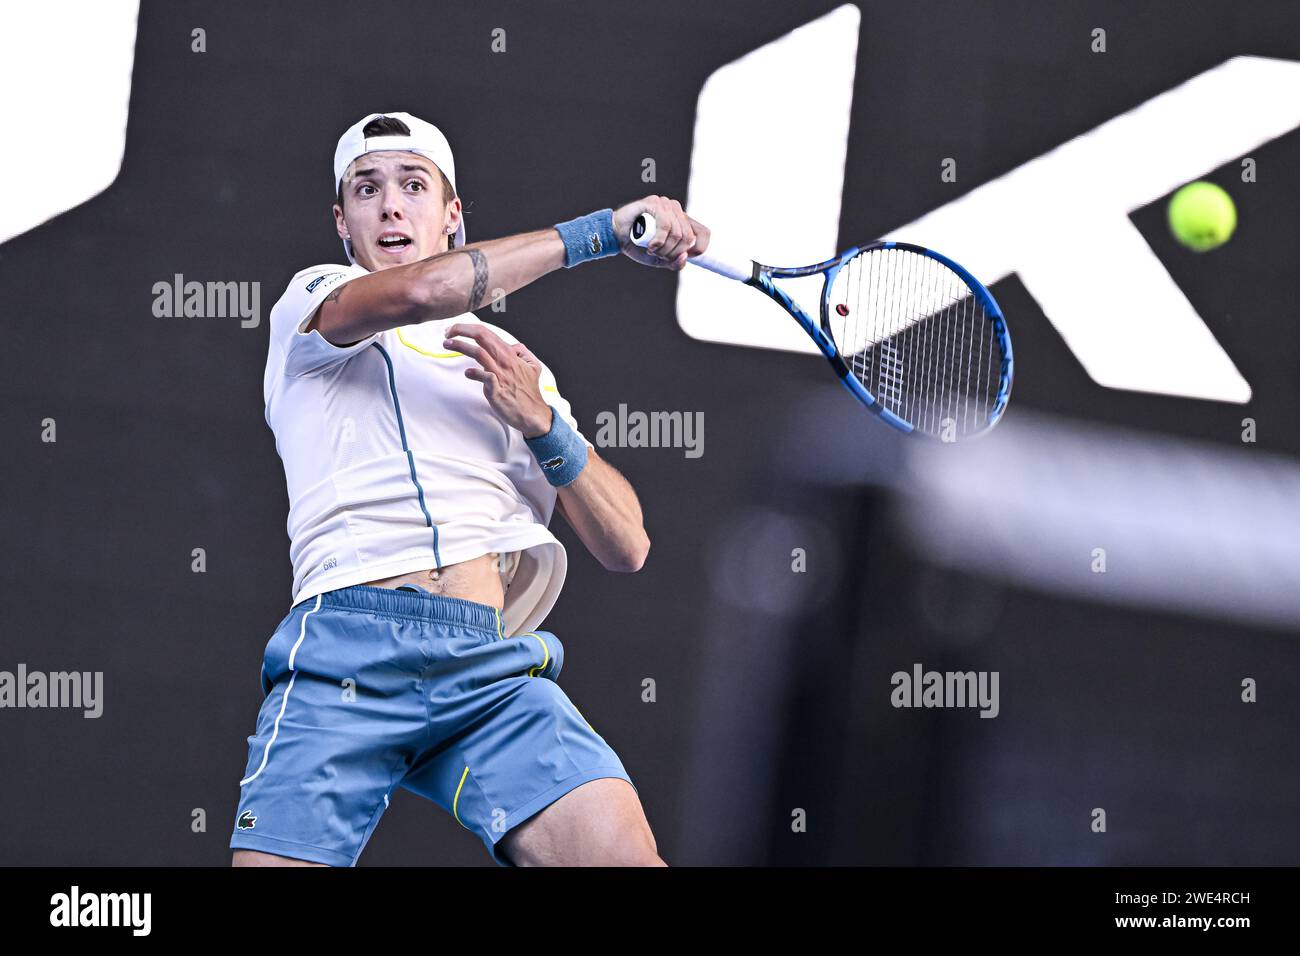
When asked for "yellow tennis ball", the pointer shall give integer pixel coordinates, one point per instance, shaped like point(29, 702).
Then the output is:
point(1202, 216)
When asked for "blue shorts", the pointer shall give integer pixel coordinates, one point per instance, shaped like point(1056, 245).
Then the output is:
point(369, 688)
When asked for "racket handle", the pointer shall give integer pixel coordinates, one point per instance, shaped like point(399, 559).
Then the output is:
point(643, 230)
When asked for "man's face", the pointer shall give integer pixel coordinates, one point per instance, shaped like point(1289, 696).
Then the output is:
point(393, 210)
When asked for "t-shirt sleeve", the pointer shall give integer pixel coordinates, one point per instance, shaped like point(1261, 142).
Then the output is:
point(308, 352)
point(551, 395)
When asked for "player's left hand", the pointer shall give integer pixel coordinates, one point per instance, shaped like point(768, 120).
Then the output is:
point(510, 375)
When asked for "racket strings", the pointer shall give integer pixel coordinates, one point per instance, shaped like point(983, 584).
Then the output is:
point(918, 339)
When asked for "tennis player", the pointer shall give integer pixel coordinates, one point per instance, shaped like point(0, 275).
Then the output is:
point(425, 453)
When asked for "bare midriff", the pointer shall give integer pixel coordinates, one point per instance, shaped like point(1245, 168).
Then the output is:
point(478, 580)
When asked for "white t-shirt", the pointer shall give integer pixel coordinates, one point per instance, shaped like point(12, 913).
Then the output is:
point(395, 462)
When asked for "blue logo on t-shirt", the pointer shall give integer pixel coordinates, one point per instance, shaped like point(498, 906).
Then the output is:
point(311, 286)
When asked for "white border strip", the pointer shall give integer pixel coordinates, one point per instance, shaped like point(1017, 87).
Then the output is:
point(302, 633)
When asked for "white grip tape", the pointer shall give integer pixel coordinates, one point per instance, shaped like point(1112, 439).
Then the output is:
point(643, 230)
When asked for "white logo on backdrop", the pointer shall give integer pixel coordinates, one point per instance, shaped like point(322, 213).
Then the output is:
point(772, 190)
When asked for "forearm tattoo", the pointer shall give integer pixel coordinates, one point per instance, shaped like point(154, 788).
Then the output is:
point(477, 295)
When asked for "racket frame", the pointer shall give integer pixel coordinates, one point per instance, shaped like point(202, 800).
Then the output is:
point(760, 277)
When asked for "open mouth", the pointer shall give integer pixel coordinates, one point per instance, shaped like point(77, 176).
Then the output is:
point(394, 242)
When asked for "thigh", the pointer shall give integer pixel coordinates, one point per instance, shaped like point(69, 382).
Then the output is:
point(600, 823)
point(254, 858)
point(519, 746)
point(341, 724)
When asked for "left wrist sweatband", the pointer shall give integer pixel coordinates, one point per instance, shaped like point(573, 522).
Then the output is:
point(561, 452)
point(588, 237)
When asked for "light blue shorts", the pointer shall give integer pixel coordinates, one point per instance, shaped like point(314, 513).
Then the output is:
point(369, 688)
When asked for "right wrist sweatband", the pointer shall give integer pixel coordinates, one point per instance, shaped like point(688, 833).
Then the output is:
point(588, 237)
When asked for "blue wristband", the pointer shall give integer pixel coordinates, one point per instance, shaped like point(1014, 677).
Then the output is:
point(561, 452)
point(588, 237)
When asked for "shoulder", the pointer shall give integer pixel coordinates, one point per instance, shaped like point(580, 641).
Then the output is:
point(548, 377)
point(310, 279)
point(314, 281)
point(307, 289)
point(510, 339)
point(503, 333)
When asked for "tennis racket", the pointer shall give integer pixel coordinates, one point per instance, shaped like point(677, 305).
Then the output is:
point(910, 333)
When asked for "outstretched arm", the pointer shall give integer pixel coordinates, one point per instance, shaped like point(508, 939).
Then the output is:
point(462, 280)
point(438, 287)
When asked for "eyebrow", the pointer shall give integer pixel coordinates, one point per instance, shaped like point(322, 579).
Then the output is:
point(362, 173)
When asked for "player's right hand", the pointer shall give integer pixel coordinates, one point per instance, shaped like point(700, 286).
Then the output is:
point(677, 236)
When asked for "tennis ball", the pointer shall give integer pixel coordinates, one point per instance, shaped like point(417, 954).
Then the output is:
point(1202, 216)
